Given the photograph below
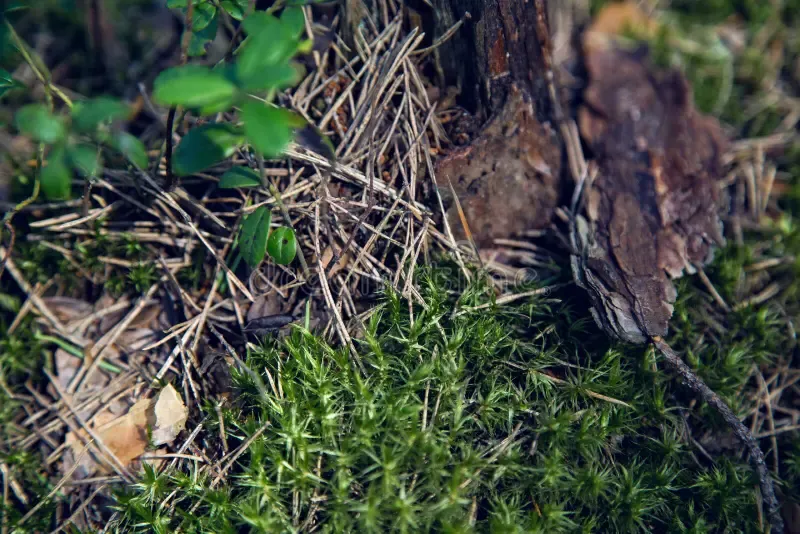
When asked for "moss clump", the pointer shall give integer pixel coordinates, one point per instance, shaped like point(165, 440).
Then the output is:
point(458, 426)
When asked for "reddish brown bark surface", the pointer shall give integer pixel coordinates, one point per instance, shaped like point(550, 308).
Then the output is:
point(507, 179)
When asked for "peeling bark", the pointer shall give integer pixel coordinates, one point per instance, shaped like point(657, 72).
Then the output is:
point(652, 211)
point(508, 179)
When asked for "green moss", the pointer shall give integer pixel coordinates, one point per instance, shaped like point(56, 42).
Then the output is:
point(502, 448)
point(521, 418)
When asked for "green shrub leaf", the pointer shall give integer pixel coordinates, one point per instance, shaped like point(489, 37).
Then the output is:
point(202, 16)
point(7, 82)
point(235, 8)
point(253, 236)
point(267, 128)
point(205, 146)
point(305, 46)
point(269, 43)
point(192, 86)
point(260, 21)
point(84, 159)
point(282, 245)
point(36, 121)
point(240, 177)
point(278, 76)
point(130, 147)
point(56, 179)
point(200, 38)
point(294, 19)
point(88, 115)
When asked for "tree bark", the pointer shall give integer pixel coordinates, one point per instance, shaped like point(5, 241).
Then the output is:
point(508, 180)
point(497, 47)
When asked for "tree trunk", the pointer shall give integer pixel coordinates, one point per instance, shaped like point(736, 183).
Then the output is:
point(507, 181)
point(498, 46)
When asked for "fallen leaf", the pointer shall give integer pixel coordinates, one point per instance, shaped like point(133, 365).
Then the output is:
point(135, 339)
point(652, 211)
point(327, 256)
point(266, 304)
point(68, 309)
point(155, 421)
point(170, 416)
point(68, 364)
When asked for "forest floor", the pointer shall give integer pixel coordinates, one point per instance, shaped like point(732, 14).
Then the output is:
point(390, 378)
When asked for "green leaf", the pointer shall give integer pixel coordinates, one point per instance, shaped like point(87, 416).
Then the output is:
point(199, 39)
point(282, 245)
point(16, 5)
point(294, 19)
point(202, 15)
point(10, 303)
point(205, 146)
point(7, 82)
point(260, 21)
point(89, 114)
point(269, 43)
point(55, 178)
point(279, 76)
point(177, 3)
point(130, 147)
point(235, 8)
point(267, 128)
point(192, 86)
point(239, 177)
point(36, 121)
point(253, 237)
point(84, 159)
point(305, 46)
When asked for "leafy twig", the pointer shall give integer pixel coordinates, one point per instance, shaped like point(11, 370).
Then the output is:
point(187, 38)
point(50, 89)
point(284, 211)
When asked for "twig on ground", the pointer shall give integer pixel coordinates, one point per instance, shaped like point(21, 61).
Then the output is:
point(696, 384)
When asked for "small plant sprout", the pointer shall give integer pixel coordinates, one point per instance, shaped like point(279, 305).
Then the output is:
point(264, 65)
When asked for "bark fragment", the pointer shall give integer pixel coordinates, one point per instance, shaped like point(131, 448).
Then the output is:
point(652, 211)
point(506, 180)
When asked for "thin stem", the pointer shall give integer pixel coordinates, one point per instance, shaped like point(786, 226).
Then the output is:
point(284, 210)
point(22, 205)
point(49, 89)
point(696, 384)
point(23, 49)
point(173, 111)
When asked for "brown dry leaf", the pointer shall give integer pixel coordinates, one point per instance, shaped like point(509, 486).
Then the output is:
point(68, 309)
point(652, 211)
point(265, 305)
point(66, 367)
point(135, 339)
point(327, 256)
point(170, 416)
point(506, 180)
point(162, 418)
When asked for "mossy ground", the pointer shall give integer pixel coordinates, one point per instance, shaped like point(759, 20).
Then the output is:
point(515, 418)
point(458, 425)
